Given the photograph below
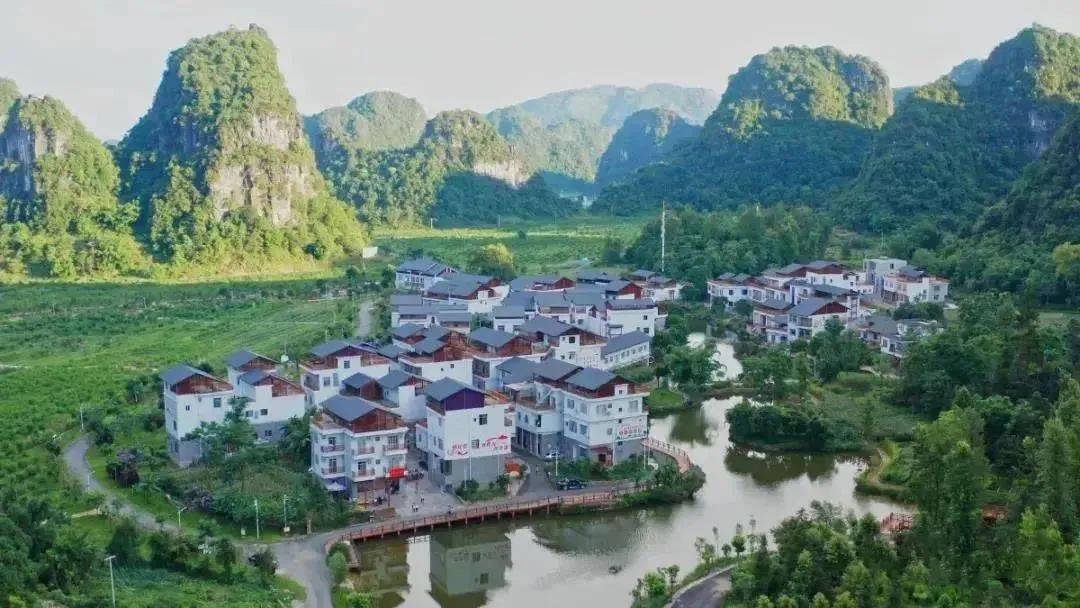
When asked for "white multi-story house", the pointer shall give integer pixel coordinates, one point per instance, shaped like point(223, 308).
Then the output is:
point(491, 348)
point(358, 447)
point(604, 415)
point(477, 293)
point(622, 316)
point(911, 285)
point(662, 289)
point(730, 287)
point(627, 349)
point(907, 331)
point(424, 314)
point(332, 362)
point(508, 318)
point(808, 317)
point(801, 290)
point(192, 398)
point(467, 434)
point(397, 391)
point(562, 341)
point(876, 269)
point(769, 319)
point(420, 274)
point(271, 401)
point(439, 354)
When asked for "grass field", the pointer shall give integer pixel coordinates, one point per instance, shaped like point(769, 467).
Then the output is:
point(546, 246)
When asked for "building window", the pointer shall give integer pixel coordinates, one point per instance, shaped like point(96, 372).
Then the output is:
point(609, 430)
point(336, 381)
point(248, 413)
point(268, 433)
point(264, 412)
point(482, 419)
point(187, 408)
point(326, 381)
point(475, 444)
point(217, 401)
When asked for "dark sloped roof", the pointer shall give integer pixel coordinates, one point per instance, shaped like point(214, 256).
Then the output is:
point(809, 306)
point(328, 348)
point(348, 408)
point(391, 351)
point(517, 365)
point(242, 357)
point(406, 299)
point(179, 373)
point(440, 390)
point(435, 332)
point(590, 378)
point(625, 341)
point(425, 266)
point(453, 287)
point(616, 285)
point(358, 380)
point(519, 298)
point(428, 346)
point(635, 304)
point(394, 379)
point(879, 323)
point(454, 316)
point(491, 337)
point(406, 330)
point(508, 312)
point(554, 369)
point(254, 376)
point(545, 325)
point(773, 304)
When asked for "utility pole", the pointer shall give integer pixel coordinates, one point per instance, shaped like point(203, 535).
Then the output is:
point(256, 519)
point(82, 424)
point(179, 510)
point(285, 512)
point(112, 579)
point(663, 235)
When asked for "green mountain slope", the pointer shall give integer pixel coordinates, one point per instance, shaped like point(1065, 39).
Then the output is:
point(564, 134)
point(381, 120)
point(460, 172)
point(1030, 241)
point(962, 74)
point(9, 93)
point(220, 165)
point(645, 137)
point(951, 150)
point(793, 125)
point(59, 213)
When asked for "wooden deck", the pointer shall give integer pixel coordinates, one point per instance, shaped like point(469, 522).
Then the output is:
point(509, 509)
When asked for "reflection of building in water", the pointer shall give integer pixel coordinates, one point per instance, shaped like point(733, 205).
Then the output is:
point(466, 564)
point(613, 533)
point(384, 571)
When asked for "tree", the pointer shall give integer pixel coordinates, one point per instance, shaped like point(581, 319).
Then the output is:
point(125, 542)
point(225, 554)
point(295, 443)
point(768, 374)
point(232, 435)
point(837, 350)
point(690, 366)
point(339, 567)
point(1046, 566)
point(265, 562)
point(494, 259)
point(1055, 477)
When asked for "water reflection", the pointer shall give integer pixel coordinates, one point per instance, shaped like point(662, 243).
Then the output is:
point(467, 564)
point(562, 560)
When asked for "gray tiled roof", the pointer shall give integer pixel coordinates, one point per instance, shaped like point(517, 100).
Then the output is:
point(545, 325)
point(454, 316)
point(391, 351)
point(328, 348)
point(440, 390)
point(773, 304)
point(808, 307)
point(358, 380)
point(625, 341)
point(635, 304)
point(179, 373)
point(508, 312)
point(242, 357)
point(406, 330)
point(491, 337)
point(348, 408)
point(406, 299)
point(590, 378)
point(516, 366)
point(454, 288)
point(880, 324)
point(425, 266)
point(435, 332)
point(428, 346)
point(254, 376)
point(554, 369)
point(394, 379)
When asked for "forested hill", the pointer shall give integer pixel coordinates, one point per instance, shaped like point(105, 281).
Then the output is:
point(381, 120)
point(645, 137)
point(962, 74)
point(58, 206)
point(460, 172)
point(793, 125)
point(220, 165)
point(564, 134)
point(953, 149)
point(1030, 241)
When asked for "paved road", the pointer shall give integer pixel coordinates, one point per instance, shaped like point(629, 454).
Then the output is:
point(364, 320)
point(79, 467)
point(707, 593)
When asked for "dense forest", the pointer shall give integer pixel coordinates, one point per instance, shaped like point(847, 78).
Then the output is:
point(646, 137)
point(793, 125)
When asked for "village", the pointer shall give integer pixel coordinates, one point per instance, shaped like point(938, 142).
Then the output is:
point(481, 381)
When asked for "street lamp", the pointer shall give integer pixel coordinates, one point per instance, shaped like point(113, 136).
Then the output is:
point(256, 519)
point(179, 510)
point(285, 513)
point(112, 580)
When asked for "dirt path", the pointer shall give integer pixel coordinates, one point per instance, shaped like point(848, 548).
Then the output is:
point(364, 318)
point(708, 592)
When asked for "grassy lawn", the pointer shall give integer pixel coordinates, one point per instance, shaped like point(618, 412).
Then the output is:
point(663, 401)
point(547, 246)
point(851, 393)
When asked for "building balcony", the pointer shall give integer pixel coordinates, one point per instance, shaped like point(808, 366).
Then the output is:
point(331, 472)
point(391, 450)
point(332, 449)
point(364, 475)
point(364, 451)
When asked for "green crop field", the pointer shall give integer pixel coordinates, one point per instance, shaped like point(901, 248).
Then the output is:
point(545, 246)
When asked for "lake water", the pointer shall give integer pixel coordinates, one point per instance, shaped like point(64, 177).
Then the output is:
point(557, 562)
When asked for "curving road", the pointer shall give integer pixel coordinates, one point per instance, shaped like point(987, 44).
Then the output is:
point(708, 592)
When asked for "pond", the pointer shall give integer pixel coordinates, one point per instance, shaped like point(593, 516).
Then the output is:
point(568, 561)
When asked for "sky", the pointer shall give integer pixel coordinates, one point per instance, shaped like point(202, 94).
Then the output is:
point(104, 58)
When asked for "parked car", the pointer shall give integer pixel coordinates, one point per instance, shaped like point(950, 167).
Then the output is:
point(552, 454)
point(570, 484)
